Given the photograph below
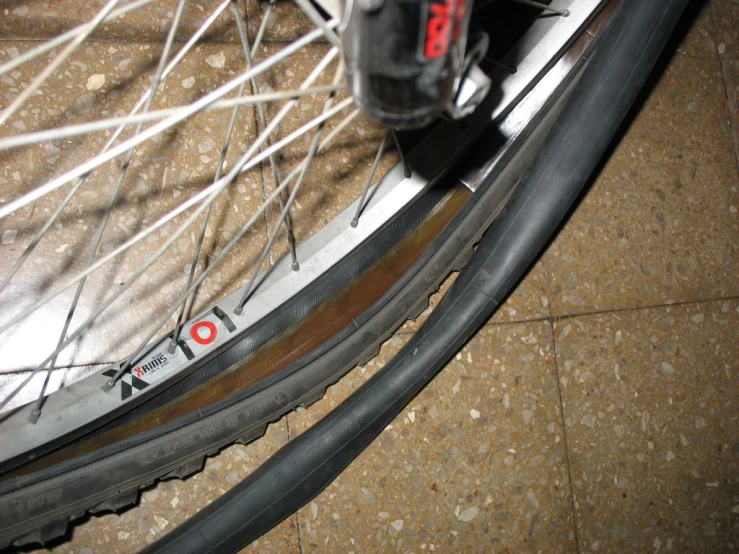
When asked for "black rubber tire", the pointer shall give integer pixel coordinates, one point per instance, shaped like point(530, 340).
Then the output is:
point(300, 470)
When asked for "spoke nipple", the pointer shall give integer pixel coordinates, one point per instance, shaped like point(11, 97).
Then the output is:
point(296, 266)
point(238, 310)
point(354, 222)
point(172, 348)
point(407, 172)
point(34, 415)
point(565, 13)
point(109, 384)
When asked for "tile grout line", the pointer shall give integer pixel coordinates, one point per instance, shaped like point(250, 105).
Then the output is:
point(269, 211)
point(734, 132)
point(297, 532)
point(553, 318)
point(605, 312)
point(565, 439)
point(648, 307)
point(720, 57)
point(548, 281)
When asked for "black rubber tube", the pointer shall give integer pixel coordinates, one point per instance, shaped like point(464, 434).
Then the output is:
point(300, 470)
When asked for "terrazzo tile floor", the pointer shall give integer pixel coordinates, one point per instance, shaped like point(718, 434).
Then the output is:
point(598, 410)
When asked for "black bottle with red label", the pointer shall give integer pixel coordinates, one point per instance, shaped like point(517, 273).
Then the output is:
point(403, 57)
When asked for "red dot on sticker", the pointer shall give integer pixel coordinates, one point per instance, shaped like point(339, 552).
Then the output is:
point(204, 332)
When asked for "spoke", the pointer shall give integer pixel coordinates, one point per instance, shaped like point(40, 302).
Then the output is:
point(312, 13)
point(240, 307)
point(61, 39)
point(263, 27)
point(406, 168)
point(269, 129)
point(36, 411)
point(368, 182)
point(262, 149)
point(286, 209)
point(542, 6)
point(153, 115)
point(154, 130)
point(178, 57)
point(191, 275)
point(340, 127)
point(49, 69)
point(261, 115)
point(203, 230)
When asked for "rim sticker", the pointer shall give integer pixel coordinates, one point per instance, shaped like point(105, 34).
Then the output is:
point(204, 332)
point(208, 331)
point(194, 340)
point(149, 369)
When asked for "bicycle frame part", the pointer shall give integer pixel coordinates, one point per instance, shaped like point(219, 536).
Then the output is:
point(404, 57)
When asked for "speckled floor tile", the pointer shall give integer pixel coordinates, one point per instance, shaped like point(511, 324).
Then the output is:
point(660, 224)
point(650, 400)
point(726, 20)
point(476, 463)
point(40, 19)
point(169, 503)
point(731, 79)
point(700, 38)
point(528, 301)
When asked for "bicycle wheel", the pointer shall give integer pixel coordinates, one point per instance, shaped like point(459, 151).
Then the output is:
point(275, 338)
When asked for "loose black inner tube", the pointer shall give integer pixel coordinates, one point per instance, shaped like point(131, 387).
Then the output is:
point(300, 470)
